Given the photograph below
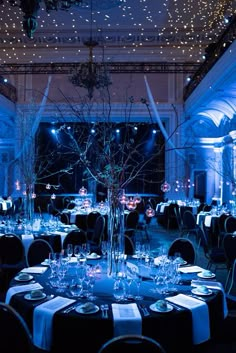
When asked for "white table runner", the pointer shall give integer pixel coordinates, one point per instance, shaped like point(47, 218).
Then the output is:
point(214, 285)
point(19, 289)
point(126, 319)
point(200, 316)
point(43, 318)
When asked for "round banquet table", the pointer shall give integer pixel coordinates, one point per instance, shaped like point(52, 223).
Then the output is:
point(72, 330)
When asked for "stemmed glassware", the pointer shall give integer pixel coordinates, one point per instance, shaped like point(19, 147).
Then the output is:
point(61, 272)
point(104, 247)
point(77, 251)
point(85, 249)
point(91, 282)
point(138, 280)
point(69, 251)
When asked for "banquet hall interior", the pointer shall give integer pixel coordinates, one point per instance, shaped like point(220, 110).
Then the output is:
point(131, 95)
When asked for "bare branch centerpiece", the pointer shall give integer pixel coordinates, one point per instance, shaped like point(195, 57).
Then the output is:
point(113, 155)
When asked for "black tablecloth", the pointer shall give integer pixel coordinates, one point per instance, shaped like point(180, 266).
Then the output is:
point(72, 331)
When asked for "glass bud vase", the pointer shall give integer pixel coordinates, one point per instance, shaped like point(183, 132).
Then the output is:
point(116, 248)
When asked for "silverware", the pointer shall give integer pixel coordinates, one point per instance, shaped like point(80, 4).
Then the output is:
point(103, 311)
point(178, 308)
point(144, 309)
point(106, 308)
point(70, 308)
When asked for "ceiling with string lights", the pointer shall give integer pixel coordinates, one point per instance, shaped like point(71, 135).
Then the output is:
point(126, 30)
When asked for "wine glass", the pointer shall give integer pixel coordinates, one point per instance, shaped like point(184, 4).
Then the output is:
point(104, 248)
point(69, 251)
point(52, 261)
point(77, 250)
point(85, 249)
point(138, 280)
point(61, 272)
point(91, 282)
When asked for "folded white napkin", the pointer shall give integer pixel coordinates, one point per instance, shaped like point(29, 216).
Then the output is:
point(22, 288)
point(191, 269)
point(34, 269)
point(216, 285)
point(43, 319)
point(126, 319)
point(207, 221)
point(4, 206)
point(200, 316)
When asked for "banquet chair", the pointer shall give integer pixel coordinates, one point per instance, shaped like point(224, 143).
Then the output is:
point(98, 234)
point(185, 248)
point(207, 208)
point(221, 227)
point(129, 245)
point(215, 255)
point(14, 334)
point(64, 218)
point(189, 226)
point(230, 224)
point(131, 222)
point(178, 219)
point(75, 237)
point(131, 344)
point(171, 216)
point(229, 246)
point(12, 256)
point(37, 252)
point(90, 222)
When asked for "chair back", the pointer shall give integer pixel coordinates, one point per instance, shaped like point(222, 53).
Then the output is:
point(11, 249)
point(98, 232)
point(37, 252)
point(129, 245)
point(131, 344)
point(132, 219)
point(189, 221)
point(230, 224)
point(64, 218)
point(229, 246)
point(14, 334)
point(75, 237)
point(91, 219)
point(185, 248)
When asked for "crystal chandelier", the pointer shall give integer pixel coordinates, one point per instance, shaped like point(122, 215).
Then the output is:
point(91, 75)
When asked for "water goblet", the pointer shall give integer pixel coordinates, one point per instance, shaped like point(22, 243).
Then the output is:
point(69, 251)
point(138, 280)
point(77, 250)
point(104, 248)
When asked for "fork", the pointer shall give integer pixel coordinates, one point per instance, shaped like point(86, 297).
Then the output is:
point(144, 310)
point(103, 311)
point(106, 308)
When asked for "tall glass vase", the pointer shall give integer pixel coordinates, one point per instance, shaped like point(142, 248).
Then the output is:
point(116, 243)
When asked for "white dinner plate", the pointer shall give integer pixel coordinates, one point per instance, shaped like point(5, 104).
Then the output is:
point(206, 277)
point(45, 262)
point(28, 297)
point(195, 291)
point(137, 256)
point(181, 262)
point(79, 309)
point(24, 280)
point(154, 308)
point(93, 257)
